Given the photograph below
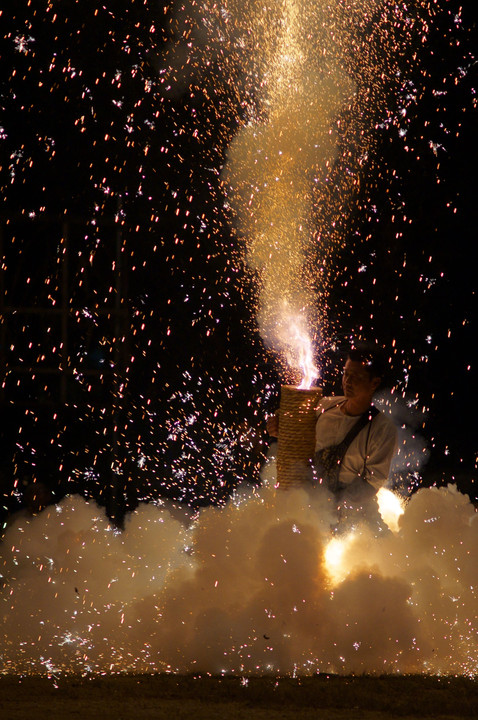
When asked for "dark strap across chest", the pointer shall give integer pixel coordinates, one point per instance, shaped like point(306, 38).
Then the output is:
point(328, 461)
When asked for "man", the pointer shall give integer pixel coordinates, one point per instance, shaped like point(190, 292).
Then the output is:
point(355, 443)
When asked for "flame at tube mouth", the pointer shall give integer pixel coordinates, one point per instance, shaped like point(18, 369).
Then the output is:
point(299, 351)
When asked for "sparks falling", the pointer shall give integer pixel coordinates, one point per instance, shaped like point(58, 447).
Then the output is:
point(126, 300)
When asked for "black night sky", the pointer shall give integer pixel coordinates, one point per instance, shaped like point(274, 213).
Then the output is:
point(130, 363)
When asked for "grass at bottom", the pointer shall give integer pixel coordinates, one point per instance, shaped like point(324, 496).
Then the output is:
point(328, 696)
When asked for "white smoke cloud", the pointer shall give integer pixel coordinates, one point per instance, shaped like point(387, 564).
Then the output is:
point(242, 589)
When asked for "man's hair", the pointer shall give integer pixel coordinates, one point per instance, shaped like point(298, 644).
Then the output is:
point(371, 358)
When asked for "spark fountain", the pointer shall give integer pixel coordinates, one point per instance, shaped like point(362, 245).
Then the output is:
point(272, 164)
point(256, 586)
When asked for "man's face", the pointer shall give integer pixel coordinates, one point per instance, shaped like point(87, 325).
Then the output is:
point(356, 382)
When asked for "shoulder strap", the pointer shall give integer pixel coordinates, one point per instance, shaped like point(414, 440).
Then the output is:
point(373, 413)
point(329, 459)
point(364, 419)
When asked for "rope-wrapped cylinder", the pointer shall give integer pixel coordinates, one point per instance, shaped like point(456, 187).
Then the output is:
point(296, 441)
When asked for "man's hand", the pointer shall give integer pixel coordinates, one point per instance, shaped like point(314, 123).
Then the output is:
point(272, 424)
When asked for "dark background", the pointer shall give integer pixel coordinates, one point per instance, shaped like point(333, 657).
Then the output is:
point(131, 368)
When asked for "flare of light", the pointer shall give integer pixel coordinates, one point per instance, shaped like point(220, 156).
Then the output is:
point(335, 558)
point(300, 350)
point(391, 507)
point(310, 372)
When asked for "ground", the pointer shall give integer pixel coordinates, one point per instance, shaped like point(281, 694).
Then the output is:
point(323, 697)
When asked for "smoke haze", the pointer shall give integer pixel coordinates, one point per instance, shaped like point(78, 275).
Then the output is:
point(256, 587)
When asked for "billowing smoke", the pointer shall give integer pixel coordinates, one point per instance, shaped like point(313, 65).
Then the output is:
point(256, 587)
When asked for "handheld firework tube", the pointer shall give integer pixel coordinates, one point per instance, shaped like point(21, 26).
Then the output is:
point(296, 441)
